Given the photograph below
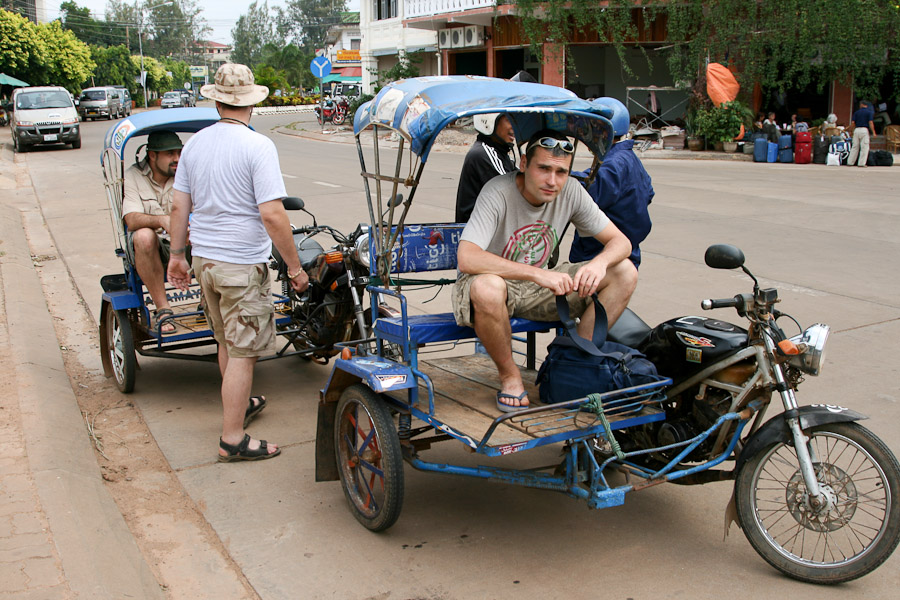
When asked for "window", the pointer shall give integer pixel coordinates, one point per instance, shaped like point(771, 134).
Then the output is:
point(385, 9)
point(354, 44)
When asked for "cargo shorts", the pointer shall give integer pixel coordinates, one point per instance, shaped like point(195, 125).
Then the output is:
point(238, 305)
point(524, 299)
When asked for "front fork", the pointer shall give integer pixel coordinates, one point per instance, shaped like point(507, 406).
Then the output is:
point(816, 498)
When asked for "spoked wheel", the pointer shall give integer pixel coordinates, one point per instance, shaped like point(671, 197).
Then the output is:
point(856, 524)
point(368, 457)
point(339, 117)
point(120, 347)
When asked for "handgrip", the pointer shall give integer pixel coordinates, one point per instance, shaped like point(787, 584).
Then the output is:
point(710, 304)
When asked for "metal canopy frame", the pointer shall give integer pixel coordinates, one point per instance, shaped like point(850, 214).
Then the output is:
point(630, 100)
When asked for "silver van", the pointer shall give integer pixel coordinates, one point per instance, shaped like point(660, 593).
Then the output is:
point(43, 115)
point(101, 102)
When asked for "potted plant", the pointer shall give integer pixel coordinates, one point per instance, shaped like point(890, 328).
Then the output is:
point(721, 124)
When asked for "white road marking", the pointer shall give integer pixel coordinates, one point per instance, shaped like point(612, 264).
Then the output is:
point(289, 176)
point(327, 184)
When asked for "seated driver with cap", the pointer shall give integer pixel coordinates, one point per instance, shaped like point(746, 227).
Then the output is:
point(504, 250)
point(147, 202)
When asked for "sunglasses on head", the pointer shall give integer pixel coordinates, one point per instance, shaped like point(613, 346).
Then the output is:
point(550, 143)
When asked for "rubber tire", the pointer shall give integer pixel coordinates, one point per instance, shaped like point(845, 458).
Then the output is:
point(339, 118)
point(121, 354)
point(320, 118)
point(355, 400)
point(76, 144)
point(769, 549)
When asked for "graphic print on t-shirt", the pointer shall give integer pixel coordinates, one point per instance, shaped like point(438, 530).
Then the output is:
point(532, 244)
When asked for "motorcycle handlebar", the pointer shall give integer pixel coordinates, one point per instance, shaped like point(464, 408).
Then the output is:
point(710, 304)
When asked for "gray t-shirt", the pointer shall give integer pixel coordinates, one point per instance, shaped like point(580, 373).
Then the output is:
point(505, 224)
point(229, 170)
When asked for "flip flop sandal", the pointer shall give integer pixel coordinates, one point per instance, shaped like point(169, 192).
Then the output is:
point(508, 408)
point(242, 452)
point(158, 315)
point(257, 404)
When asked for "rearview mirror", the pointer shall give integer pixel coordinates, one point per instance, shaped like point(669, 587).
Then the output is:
point(724, 256)
point(292, 203)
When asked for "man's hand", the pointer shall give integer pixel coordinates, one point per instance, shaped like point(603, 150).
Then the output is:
point(588, 278)
point(179, 272)
point(558, 283)
point(300, 282)
point(164, 222)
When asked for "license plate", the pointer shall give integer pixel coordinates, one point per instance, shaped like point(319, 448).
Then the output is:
point(50, 137)
point(92, 112)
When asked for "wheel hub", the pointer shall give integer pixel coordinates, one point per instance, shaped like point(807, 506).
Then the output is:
point(832, 509)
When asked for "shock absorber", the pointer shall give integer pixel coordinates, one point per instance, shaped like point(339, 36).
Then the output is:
point(404, 427)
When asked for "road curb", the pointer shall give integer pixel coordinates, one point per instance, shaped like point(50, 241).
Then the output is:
point(99, 555)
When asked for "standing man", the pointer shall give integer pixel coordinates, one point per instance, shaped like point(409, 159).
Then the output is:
point(864, 120)
point(621, 189)
point(488, 157)
point(507, 244)
point(145, 210)
point(230, 183)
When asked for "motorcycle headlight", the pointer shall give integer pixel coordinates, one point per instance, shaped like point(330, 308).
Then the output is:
point(361, 250)
point(812, 342)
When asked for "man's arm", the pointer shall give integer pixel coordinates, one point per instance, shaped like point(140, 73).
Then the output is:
point(178, 271)
point(136, 221)
point(472, 259)
point(616, 248)
point(278, 226)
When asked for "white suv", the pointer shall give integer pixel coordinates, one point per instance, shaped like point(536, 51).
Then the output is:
point(43, 115)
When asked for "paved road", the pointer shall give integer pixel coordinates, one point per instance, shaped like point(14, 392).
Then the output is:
point(825, 237)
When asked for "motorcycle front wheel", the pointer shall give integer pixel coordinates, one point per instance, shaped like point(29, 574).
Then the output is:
point(339, 117)
point(856, 528)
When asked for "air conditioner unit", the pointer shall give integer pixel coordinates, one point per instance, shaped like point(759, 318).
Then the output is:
point(474, 35)
point(444, 39)
point(457, 37)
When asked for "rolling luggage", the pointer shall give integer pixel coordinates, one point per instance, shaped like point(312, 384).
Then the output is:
point(820, 149)
point(802, 136)
point(760, 149)
point(803, 153)
point(784, 142)
point(785, 155)
point(771, 152)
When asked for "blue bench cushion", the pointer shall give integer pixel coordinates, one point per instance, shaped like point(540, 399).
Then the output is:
point(426, 329)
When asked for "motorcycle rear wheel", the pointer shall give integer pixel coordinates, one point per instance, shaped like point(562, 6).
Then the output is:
point(338, 118)
point(857, 530)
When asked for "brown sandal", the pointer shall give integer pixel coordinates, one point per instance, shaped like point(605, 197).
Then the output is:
point(242, 452)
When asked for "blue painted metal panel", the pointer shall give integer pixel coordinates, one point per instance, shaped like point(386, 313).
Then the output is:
point(379, 374)
point(123, 300)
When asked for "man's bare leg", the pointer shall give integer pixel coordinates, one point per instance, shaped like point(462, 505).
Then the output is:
point(148, 265)
point(237, 378)
point(491, 320)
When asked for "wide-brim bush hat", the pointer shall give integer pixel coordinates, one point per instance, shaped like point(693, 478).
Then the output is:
point(235, 86)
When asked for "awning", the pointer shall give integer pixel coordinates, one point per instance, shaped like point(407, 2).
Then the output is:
point(7, 80)
point(348, 71)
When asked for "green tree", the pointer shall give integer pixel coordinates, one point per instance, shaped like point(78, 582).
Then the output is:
point(293, 61)
point(114, 67)
point(785, 44)
point(21, 52)
point(173, 28)
point(79, 21)
point(307, 21)
point(252, 32)
point(407, 66)
point(122, 15)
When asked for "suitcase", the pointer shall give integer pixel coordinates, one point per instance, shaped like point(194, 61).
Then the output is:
point(803, 153)
point(771, 152)
point(784, 142)
point(785, 155)
point(802, 136)
point(760, 149)
point(820, 149)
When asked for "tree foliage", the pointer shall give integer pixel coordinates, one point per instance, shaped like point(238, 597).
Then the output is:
point(781, 45)
point(114, 67)
point(407, 66)
point(172, 29)
point(252, 32)
point(79, 21)
point(306, 22)
point(44, 54)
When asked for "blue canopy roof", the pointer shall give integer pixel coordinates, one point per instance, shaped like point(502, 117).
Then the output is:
point(419, 108)
point(142, 123)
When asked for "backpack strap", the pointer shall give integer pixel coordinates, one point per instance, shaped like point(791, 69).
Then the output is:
point(601, 326)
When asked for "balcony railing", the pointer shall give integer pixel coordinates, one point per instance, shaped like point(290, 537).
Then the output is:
point(424, 8)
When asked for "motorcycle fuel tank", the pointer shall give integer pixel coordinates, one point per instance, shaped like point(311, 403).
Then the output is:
point(681, 347)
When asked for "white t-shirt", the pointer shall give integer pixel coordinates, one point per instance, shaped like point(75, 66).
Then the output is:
point(229, 170)
point(506, 224)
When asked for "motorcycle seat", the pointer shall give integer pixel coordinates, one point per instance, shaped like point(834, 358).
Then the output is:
point(629, 330)
point(427, 329)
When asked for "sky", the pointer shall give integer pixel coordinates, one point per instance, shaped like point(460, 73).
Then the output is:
point(221, 15)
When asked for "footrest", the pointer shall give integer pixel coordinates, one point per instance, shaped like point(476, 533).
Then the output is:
point(426, 329)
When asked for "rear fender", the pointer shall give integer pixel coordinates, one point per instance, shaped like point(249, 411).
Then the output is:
point(776, 429)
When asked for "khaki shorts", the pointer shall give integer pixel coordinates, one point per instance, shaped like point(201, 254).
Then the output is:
point(238, 305)
point(164, 246)
point(524, 299)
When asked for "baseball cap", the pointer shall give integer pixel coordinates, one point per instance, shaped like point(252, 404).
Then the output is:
point(160, 141)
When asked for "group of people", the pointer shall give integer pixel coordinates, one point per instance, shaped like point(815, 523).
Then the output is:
point(227, 179)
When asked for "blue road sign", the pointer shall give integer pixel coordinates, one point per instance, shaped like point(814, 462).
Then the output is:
point(320, 67)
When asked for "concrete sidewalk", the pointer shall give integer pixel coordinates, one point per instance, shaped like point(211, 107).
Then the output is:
point(61, 534)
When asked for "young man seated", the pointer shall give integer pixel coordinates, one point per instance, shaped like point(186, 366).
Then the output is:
point(507, 243)
point(147, 203)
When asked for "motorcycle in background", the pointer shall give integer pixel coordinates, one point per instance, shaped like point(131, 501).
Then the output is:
point(334, 110)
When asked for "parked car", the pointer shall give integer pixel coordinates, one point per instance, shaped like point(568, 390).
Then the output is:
point(187, 98)
point(43, 115)
point(127, 102)
point(101, 102)
point(172, 100)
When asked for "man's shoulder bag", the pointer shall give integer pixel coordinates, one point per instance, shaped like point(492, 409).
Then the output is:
point(576, 367)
